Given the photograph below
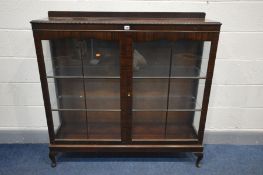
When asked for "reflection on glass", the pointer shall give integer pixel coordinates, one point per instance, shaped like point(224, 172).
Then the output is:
point(180, 58)
point(187, 58)
point(90, 57)
point(151, 59)
point(62, 57)
point(196, 121)
point(101, 58)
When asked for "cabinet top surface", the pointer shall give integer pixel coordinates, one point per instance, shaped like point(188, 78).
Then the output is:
point(152, 18)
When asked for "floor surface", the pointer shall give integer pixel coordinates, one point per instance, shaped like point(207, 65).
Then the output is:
point(18, 159)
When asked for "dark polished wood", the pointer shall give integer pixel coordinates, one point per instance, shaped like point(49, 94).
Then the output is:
point(114, 107)
point(169, 21)
point(52, 156)
point(44, 85)
point(199, 156)
point(127, 148)
point(127, 14)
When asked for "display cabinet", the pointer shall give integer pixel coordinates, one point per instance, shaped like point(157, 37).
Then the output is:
point(117, 82)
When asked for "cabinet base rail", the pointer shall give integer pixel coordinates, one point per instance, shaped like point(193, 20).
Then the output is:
point(126, 149)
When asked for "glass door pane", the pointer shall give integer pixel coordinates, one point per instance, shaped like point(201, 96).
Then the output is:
point(151, 65)
point(66, 93)
point(102, 88)
point(102, 94)
point(84, 87)
point(180, 124)
point(186, 94)
point(63, 65)
point(70, 124)
point(151, 59)
point(150, 94)
point(168, 88)
point(62, 57)
point(101, 59)
point(190, 58)
point(187, 83)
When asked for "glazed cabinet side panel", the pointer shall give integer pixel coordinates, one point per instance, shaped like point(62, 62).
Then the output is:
point(208, 84)
point(44, 85)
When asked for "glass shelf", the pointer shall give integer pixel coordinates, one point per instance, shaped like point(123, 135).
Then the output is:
point(70, 102)
point(152, 71)
point(157, 104)
point(103, 103)
point(102, 71)
point(185, 103)
point(158, 71)
point(89, 110)
point(90, 72)
point(88, 103)
point(78, 93)
point(84, 77)
point(180, 71)
point(63, 65)
point(160, 94)
point(165, 110)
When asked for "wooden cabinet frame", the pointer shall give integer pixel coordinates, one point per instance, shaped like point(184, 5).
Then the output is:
point(187, 29)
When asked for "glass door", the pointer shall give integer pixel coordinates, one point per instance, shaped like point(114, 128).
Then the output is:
point(84, 86)
point(168, 86)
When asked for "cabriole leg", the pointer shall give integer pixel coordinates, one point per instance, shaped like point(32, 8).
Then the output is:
point(52, 156)
point(199, 156)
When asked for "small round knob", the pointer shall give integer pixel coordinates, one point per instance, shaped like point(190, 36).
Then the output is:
point(129, 94)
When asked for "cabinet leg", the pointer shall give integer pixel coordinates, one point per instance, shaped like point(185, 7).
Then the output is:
point(52, 156)
point(199, 158)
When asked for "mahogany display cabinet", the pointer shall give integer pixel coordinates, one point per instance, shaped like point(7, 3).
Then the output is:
point(126, 82)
